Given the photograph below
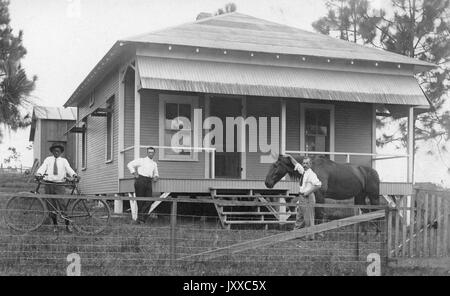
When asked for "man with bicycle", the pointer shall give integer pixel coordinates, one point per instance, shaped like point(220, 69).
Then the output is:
point(54, 171)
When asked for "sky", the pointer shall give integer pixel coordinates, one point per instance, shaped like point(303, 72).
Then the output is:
point(66, 38)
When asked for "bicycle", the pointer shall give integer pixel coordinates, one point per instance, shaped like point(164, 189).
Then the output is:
point(27, 213)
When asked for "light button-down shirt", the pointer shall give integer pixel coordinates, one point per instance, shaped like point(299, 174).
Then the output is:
point(63, 166)
point(309, 180)
point(145, 167)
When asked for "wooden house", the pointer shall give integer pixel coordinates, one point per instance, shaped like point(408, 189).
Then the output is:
point(324, 91)
point(49, 125)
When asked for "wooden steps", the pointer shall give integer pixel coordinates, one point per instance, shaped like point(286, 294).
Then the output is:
point(250, 213)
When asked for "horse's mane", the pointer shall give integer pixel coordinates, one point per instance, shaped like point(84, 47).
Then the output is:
point(294, 175)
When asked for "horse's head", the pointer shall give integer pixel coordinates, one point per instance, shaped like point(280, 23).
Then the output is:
point(279, 169)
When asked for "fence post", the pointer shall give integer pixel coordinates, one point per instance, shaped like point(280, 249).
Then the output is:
point(356, 229)
point(411, 223)
point(446, 228)
point(388, 230)
point(425, 226)
point(419, 229)
point(173, 223)
point(397, 232)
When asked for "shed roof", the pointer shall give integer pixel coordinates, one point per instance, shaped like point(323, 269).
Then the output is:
point(54, 113)
point(236, 31)
point(295, 82)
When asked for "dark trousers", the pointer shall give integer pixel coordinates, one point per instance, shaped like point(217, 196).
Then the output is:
point(54, 189)
point(143, 188)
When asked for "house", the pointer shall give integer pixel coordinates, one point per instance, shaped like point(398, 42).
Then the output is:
point(49, 125)
point(324, 91)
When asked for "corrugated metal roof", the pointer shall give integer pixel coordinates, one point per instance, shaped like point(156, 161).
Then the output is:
point(257, 80)
point(236, 31)
point(54, 113)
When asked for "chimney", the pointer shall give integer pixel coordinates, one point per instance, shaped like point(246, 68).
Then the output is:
point(203, 15)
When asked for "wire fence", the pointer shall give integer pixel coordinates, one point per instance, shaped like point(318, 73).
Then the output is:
point(170, 243)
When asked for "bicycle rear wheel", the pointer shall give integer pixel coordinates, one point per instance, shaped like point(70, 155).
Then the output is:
point(25, 213)
point(90, 216)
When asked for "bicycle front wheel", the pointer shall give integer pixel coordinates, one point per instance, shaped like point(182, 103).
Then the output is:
point(25, 213)
point(90, 216)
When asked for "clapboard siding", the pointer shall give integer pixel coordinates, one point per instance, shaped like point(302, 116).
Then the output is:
point(261, 107)
point(129, 109)
point(353, 131)
point(100, 177)
point(150, 137)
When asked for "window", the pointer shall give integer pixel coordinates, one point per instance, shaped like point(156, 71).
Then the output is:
point(176, 126)
point(318, 128)
point(84, 145)
point(109, 130)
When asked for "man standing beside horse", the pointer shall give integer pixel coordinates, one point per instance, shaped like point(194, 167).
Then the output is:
point(310, 183)
point(145, 171)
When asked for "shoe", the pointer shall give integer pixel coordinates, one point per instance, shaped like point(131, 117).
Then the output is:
point(137, 222)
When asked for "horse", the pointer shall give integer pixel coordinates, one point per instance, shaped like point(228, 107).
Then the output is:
point(339, 181)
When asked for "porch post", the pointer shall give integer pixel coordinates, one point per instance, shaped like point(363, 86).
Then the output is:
point(283, 127)
point(137, 113)
point(118, 204)
point(121, 112)
point(208, 153)
point(374, 135)
point(411, 121)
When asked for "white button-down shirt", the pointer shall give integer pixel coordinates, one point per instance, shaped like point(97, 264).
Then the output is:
point(309, 179)
point(63, 166)
point(145, 167)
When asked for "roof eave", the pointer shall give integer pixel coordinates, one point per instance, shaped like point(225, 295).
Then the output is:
point(115, 50)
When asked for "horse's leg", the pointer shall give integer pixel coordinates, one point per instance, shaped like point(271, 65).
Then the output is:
point(374, 199)
point(360, 199)
point(320, 215)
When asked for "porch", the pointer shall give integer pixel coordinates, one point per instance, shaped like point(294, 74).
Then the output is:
point(192, 184)
point(205, 185)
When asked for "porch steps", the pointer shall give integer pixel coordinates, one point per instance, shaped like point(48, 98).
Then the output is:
point(230, 214)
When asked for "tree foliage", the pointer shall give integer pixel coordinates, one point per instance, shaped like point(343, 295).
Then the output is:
point(15, 86)
point(228, 8)
point(416, 28)
point(13, 156)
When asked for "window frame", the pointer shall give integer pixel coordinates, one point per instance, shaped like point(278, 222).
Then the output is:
point(331, 109)
point(177, 99)
point(110, 115)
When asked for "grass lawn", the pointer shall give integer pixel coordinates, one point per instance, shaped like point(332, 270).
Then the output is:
point(126, 249)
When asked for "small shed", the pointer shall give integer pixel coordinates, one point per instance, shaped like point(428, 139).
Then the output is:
point(48, 126)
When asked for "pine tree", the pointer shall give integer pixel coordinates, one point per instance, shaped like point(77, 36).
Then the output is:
point(416, 28)
point(15, 86)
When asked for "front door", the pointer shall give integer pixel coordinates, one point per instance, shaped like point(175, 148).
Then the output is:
point(318, 128)
point(227, 164)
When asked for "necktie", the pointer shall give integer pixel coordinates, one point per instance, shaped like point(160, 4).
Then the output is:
point(55, 167)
